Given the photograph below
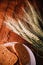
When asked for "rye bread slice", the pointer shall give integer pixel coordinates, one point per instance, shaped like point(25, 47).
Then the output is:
point(6, 57)
point(22, 54)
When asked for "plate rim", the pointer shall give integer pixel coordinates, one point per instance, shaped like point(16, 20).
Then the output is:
point(32, 56)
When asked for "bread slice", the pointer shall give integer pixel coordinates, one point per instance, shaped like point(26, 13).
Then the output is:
point(10, 46)
point(6, 57)
point(22, 53)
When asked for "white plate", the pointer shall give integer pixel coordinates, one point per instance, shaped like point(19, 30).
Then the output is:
point(32, 57)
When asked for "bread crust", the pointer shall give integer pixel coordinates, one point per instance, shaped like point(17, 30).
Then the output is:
point(22, 53)
point(6, 57)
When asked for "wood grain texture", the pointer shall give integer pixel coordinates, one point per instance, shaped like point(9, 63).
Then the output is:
point(7, 8)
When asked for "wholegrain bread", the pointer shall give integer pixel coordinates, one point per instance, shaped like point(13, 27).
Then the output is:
point(6, 57)
point(22, 53)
